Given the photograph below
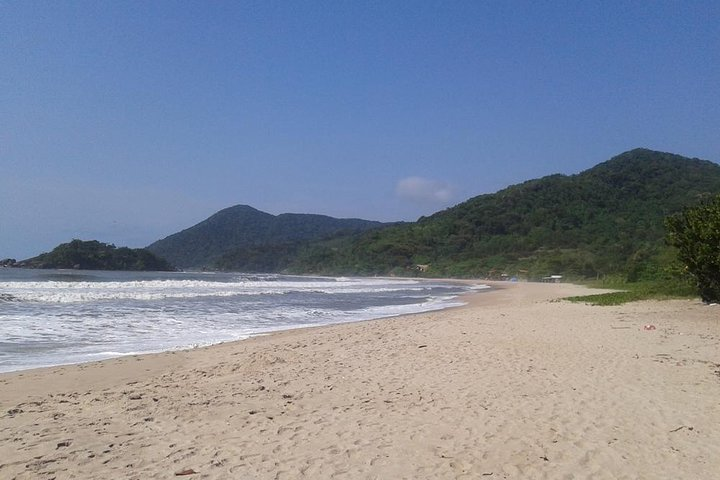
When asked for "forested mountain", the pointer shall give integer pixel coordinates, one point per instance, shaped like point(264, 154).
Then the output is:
point(608, 219)
point(244, 238)
point(94, 255)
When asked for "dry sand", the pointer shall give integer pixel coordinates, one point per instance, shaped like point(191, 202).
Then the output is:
point(515, 385)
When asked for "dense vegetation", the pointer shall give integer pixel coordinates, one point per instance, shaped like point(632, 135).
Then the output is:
point(94, 255)
point(695, 233)
point(606, 220)
point(258, 258)
point(243, 238)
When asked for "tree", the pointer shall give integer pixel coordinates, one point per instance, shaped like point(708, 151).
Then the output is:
point(695, 232)
point(94, 255)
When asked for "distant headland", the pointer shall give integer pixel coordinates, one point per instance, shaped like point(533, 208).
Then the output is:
point(93, 255)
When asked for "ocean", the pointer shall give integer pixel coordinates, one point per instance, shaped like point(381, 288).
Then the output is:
point(55, 317)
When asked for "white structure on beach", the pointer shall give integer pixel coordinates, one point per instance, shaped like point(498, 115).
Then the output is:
point(552, 279)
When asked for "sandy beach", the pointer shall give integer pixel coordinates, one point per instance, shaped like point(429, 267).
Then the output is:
point(515, 385)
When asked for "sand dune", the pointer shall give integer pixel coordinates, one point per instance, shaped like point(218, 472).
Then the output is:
point(515, 385)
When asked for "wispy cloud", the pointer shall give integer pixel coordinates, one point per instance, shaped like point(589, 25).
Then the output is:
point(424, 190)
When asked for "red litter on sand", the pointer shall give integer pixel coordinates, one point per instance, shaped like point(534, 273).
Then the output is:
point(649, 327)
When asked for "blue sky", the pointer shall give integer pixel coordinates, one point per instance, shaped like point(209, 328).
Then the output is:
point(126, 121)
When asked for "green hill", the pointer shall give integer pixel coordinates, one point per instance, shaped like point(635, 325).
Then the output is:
point(243, 238)
point(94, 255)
point(605, 220)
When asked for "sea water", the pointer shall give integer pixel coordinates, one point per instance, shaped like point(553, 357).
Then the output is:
point(54, 317)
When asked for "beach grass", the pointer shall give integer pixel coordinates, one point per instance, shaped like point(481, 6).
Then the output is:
point(635, 291)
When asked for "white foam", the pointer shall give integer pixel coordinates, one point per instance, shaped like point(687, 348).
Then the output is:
point(74, 292)
point(59, 322)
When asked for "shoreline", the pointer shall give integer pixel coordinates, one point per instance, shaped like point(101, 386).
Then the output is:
point(241, 330)
point(513, 384)
point(141, 355)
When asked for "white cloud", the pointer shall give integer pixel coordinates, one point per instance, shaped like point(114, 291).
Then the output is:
point(418, 189)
